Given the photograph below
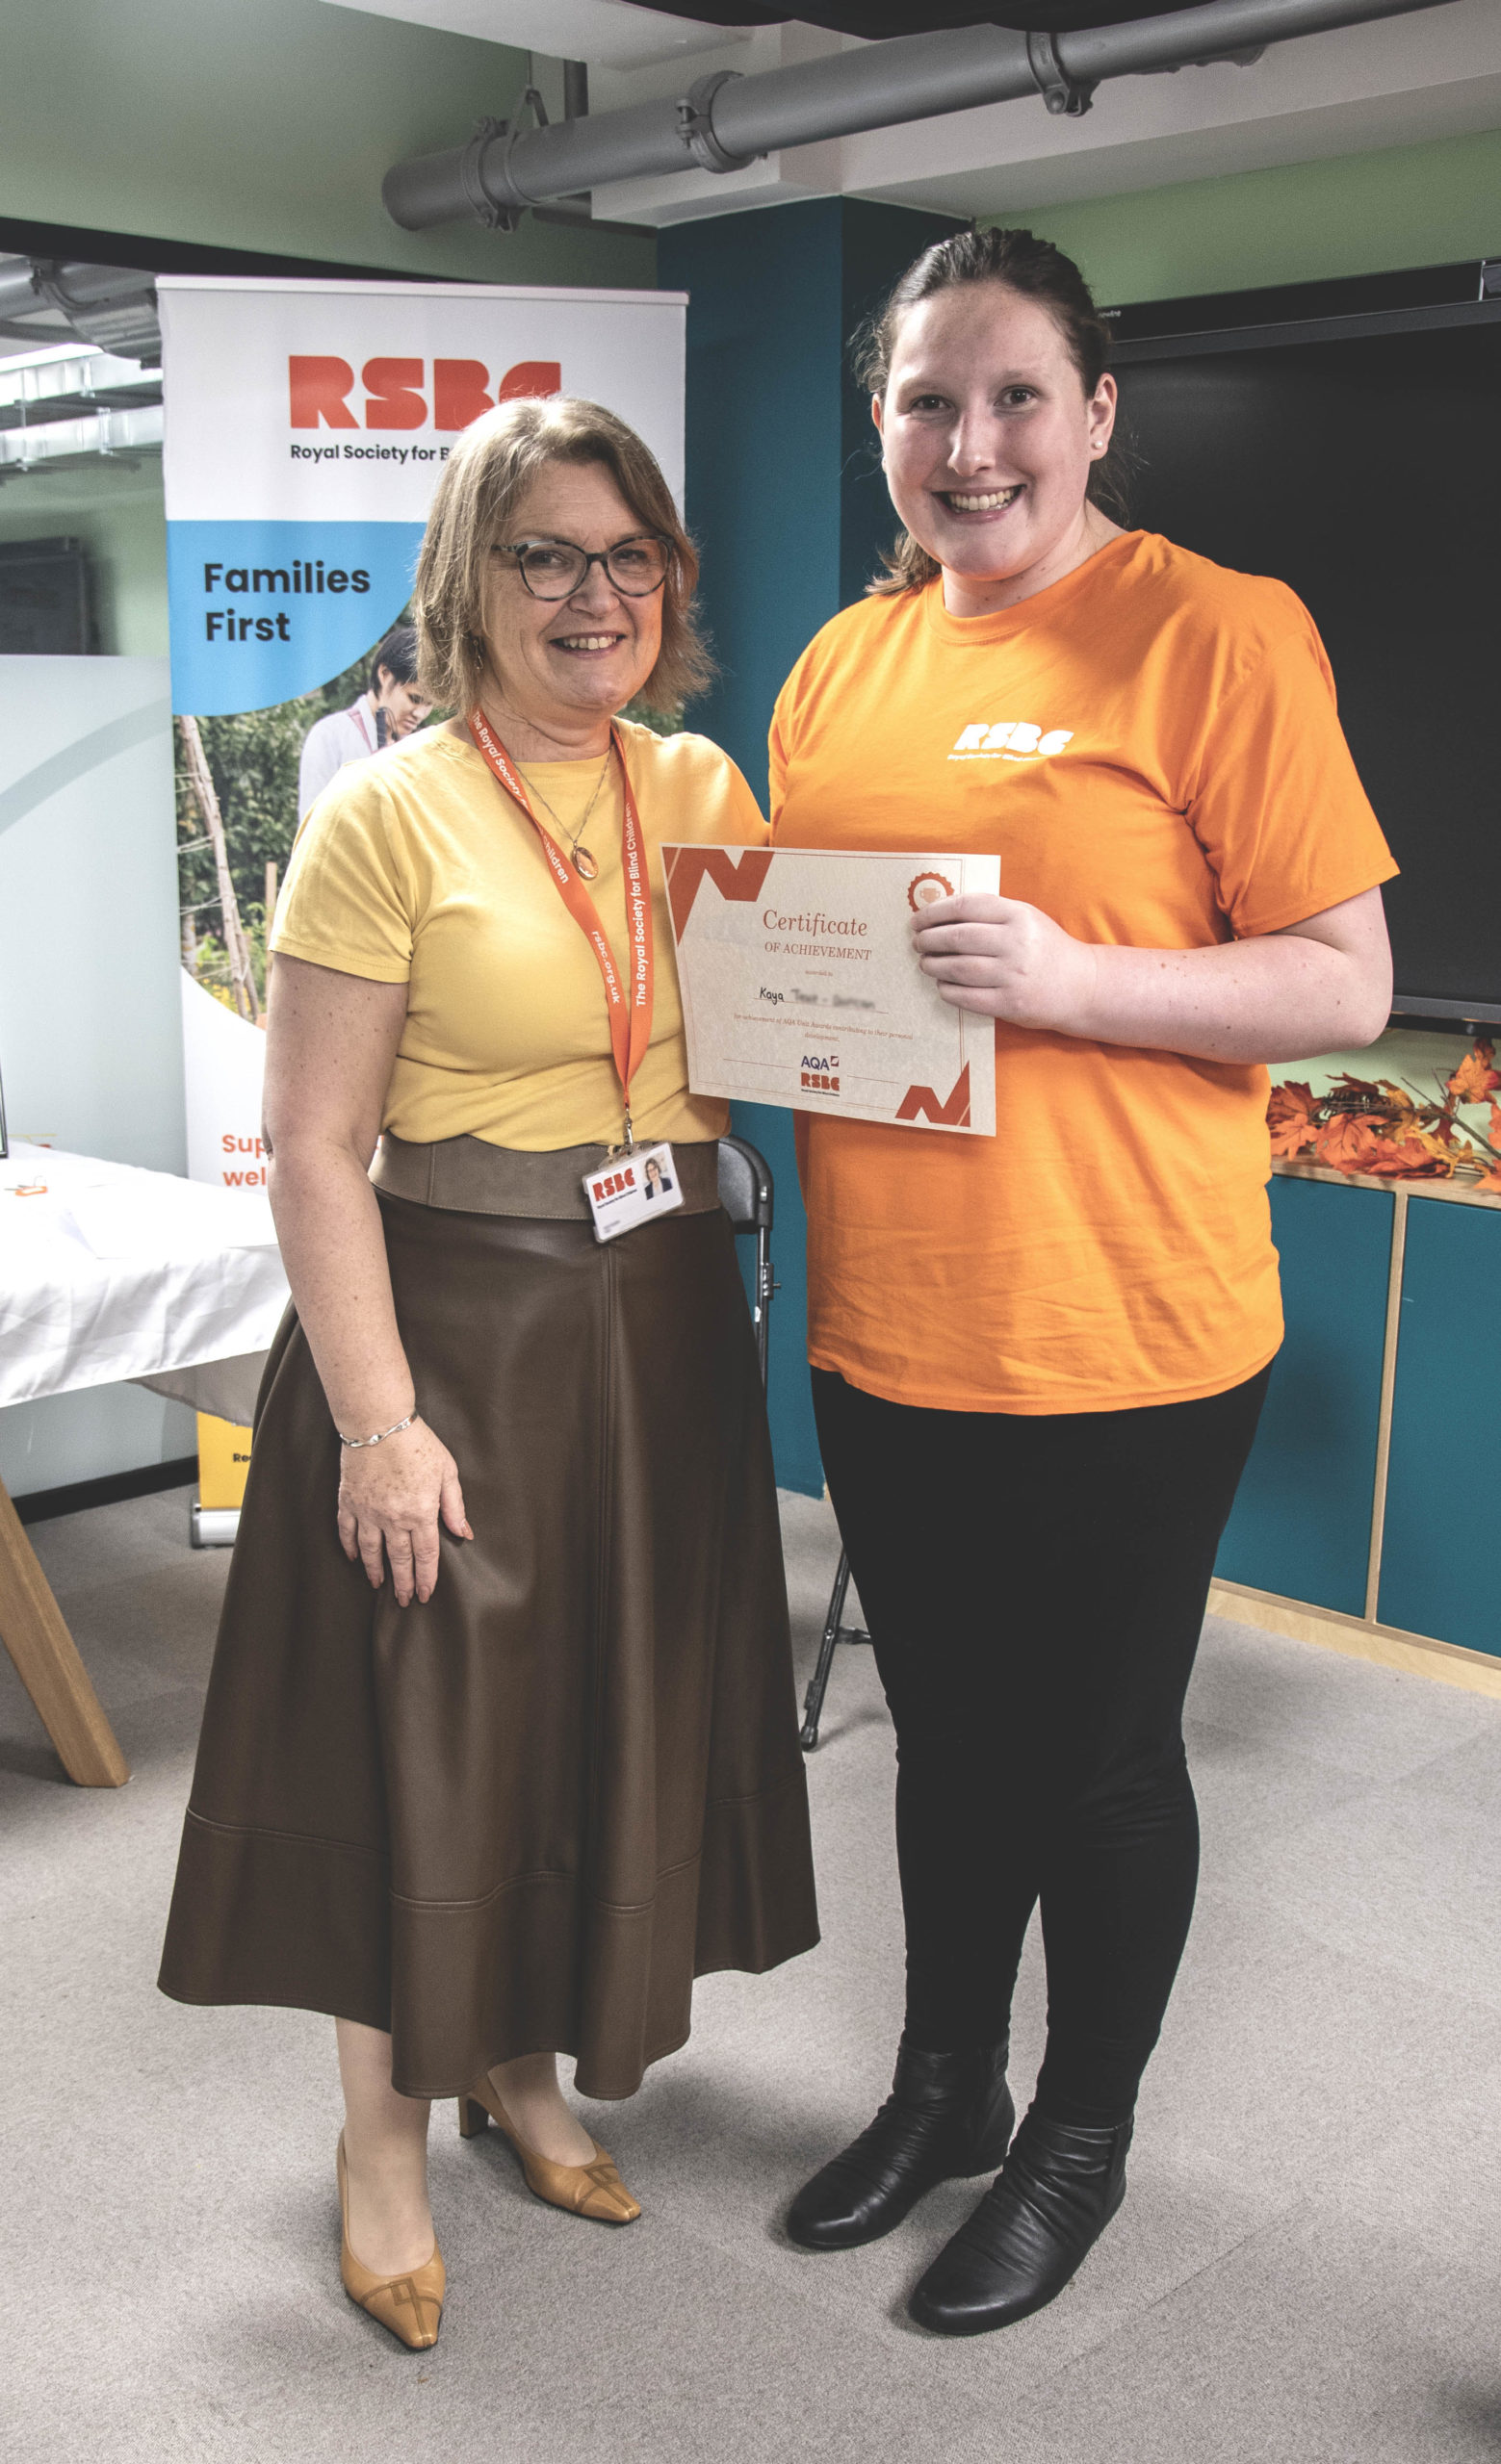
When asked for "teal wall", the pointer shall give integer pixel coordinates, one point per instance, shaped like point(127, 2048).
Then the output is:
point(786, 504)
point(1301, 1522)
point(1436, 1575)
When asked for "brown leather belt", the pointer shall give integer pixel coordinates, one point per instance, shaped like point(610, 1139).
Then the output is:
point(468, 1176)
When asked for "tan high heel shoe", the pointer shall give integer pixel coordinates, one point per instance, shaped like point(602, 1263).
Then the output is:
point(592, 2189)
point(409, 2305)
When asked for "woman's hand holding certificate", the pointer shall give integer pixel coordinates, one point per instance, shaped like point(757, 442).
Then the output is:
point(1006, 959)
point(801, 985)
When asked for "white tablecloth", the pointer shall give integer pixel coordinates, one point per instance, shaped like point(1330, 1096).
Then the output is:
point(110, 1272)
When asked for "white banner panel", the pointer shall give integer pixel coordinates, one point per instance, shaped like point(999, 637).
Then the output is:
point(307, 425)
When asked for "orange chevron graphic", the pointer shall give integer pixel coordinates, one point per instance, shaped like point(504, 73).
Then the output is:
point(921, 1103)
point(734, 877)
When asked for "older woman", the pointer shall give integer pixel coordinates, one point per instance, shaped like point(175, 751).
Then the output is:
point(1039, 1358)
point(500, 1748)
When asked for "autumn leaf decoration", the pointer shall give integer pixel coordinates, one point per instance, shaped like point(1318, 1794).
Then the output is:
point(1395, 1132)
point(1475, 1079)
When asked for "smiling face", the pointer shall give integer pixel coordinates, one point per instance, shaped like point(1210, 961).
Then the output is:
point(565, 666)
point(988, 439)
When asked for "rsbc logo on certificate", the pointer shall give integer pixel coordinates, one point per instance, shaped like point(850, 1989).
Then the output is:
point(801, 985)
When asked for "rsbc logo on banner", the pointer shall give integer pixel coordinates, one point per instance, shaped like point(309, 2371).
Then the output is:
point(400, 394)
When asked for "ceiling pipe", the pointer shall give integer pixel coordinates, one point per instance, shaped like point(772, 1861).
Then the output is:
point(112, 307)
point(726, 120)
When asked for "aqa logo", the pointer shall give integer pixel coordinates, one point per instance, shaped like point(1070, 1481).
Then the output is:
point(819, 1072)
point(1008, 740)
point(396, 390)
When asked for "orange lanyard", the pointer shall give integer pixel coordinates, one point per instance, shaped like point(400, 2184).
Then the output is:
point(629, 1008)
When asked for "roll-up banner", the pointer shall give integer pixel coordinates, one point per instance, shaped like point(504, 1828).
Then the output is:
point(306, 427)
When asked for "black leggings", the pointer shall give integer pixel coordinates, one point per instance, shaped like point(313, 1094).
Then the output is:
point(1034, 1588)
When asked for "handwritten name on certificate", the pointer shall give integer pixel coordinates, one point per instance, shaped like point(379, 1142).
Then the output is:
point(801, 985)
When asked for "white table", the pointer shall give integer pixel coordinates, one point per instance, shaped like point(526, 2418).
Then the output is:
point(108, 1273)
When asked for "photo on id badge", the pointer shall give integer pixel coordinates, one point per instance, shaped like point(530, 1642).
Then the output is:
point(631, 1189)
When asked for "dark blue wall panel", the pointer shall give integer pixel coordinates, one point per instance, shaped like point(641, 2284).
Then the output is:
point(1437, 1555)
point(763, 439)
point(1301, 1522)
point(762, 449)
point(788, 510)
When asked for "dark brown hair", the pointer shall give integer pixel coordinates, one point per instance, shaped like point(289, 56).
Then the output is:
point(485, 477)
point(1037, 271)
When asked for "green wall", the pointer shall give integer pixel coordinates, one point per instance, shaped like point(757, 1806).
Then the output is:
point(264, 126)
point(1408, 205)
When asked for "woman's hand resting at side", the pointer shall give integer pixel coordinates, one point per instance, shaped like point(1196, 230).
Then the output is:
point(391, 1496)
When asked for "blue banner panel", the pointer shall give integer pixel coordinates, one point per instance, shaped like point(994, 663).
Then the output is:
point(263, 611)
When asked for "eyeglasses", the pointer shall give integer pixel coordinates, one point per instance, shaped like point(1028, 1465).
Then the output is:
point(554, 568)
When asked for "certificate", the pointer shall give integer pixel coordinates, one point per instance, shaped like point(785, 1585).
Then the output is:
point(801, 986)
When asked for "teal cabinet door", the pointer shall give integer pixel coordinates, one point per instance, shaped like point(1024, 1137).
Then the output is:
point(1437, 1572)
point(1301, 1521)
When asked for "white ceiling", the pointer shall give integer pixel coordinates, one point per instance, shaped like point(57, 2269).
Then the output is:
point(1397, 81)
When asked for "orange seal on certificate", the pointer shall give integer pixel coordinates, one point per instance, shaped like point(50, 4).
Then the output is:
point(924, 887)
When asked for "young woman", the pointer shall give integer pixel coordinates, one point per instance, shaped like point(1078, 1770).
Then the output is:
point(1039, 1358)
point(392, 707)
point(500, 1749)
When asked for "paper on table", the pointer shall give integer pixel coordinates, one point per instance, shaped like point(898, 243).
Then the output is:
point(155, 1215)
point(184, 1274)
point(801, 986)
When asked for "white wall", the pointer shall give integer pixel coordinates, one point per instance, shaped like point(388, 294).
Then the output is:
point(91, 1041)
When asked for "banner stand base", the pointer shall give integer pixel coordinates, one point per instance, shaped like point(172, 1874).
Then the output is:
point(213, 1526)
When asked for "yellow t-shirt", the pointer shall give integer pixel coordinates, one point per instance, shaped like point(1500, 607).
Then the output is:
point(1152, 747)
point(417, 868)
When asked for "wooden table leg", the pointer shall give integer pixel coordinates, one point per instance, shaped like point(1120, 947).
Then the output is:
point(46, 1659)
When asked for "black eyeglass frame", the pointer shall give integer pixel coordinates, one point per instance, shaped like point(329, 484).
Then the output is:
point(596, 556)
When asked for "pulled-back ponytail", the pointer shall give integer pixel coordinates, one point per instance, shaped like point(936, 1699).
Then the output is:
point(1035, 269)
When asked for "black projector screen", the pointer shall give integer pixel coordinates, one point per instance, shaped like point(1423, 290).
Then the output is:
point(1366, 473)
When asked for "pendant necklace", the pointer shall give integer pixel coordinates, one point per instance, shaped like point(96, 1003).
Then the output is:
point(583, 863)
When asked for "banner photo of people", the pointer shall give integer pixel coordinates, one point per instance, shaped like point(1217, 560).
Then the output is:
point(306, 428)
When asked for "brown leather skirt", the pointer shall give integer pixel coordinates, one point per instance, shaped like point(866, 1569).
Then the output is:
point(525, 1815)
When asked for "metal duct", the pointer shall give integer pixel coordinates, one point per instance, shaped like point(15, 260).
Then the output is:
point(112, 307)
point(727, 120)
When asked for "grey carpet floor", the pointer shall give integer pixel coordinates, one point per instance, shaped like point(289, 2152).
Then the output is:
point(1306, 2270)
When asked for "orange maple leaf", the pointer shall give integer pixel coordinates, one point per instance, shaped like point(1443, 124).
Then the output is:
point(1407, 1159)
point(1290, 1117)
point(1348, 1143)
point(1344, 1143)
point(1475, 1079)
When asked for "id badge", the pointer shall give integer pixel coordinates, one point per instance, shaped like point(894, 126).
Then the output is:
point(633, 1187)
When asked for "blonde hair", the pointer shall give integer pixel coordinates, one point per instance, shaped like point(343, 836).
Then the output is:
point(489, 470)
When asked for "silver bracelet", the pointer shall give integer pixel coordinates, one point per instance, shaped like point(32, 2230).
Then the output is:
point(395, 1430)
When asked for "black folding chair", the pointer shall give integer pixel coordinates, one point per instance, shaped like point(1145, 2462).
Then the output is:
point(835, 1632)
point(749, 1199)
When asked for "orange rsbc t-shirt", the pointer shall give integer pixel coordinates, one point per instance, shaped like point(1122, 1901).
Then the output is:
point(1153, 749)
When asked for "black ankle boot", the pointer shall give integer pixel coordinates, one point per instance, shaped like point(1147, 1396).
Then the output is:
point(1060, 2187)
point(948, 2115)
